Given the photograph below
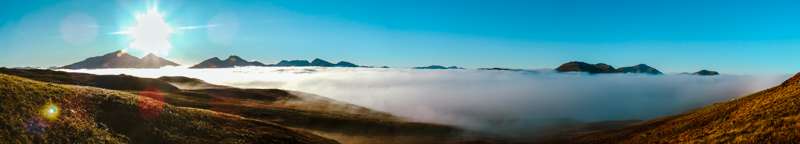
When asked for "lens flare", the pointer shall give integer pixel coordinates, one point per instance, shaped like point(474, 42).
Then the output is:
point(50, 111)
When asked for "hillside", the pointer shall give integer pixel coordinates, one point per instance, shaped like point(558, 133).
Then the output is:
point(343, 122)
point(769, 116)
point(38, 112)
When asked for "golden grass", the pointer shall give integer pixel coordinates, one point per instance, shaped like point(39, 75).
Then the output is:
point(769, 116)
point(92, 115)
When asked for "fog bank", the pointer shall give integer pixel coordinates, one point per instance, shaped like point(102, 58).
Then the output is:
point(492, 101)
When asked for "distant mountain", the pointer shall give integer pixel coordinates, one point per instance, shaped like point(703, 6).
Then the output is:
point(577, 66)
point(316, 62)
point(438, 67)
point(768, 116)
point(298, 63)
point(151, 60)
point(232, 61)
point(641, 68)
point(121, 59)
point(321, 63)
point(345, 64)
point(705, 73)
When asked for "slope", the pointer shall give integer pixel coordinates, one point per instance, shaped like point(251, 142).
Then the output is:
point(38, 112)
point(769, 116)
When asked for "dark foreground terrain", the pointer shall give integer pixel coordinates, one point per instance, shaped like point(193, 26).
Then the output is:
point(769, 116)
point(126, 109)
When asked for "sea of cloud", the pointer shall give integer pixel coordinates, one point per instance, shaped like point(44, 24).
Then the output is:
point(493, 101)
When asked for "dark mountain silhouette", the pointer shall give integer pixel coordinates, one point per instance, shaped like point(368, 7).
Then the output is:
point(345, 64)
point(438, 67)
point(321, 63)
point(501, 69)
point(232, 61)
point(705, 73)
point(641, 68)
point(316, 62)
point(768, 116)
point(290, 63)
point(577, 66)
point(121, 59)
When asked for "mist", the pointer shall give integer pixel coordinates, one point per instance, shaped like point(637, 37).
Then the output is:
point(501, 102)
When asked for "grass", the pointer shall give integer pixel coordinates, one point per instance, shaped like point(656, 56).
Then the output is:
point(332, 119)
point(92, 115)
point(769, 116)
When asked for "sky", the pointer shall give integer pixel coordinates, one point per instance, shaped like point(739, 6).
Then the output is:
point(730, 36)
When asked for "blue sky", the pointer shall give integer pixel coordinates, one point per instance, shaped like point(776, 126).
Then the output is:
point(738, 37)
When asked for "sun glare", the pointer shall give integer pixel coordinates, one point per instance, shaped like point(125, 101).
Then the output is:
point(150, 33)
point(50, 111)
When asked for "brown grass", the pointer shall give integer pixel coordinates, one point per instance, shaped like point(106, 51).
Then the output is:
point(92, 115)
point(769, 116)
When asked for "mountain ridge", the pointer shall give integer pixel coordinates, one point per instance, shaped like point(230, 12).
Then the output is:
point(231, 61)
point(120, 59)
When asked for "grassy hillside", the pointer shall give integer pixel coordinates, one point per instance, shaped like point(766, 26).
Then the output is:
point(38, 112)
point(336, 120)
point(769, 116)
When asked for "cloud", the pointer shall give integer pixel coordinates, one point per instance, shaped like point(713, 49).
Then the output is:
point(493, 101)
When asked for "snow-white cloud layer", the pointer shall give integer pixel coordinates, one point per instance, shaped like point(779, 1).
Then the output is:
point(499, 101)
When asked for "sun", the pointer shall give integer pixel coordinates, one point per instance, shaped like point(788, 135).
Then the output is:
point(151, 33)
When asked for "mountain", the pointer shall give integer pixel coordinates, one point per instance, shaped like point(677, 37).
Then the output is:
point(316, 62)
point(705, 73)
point(121, 59)
point(41, 112)
point(298, 63)
point(577, 66)
point(345, 64)
point(641, 68)
point(438, 67)
point(153, 61)
point(232, 61)
point(321, 63)
point(768, 116)
point(500, 69)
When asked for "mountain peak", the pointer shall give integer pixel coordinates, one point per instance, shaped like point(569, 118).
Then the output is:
point(118, 53)
point(234, 57)
point(578, 66)
point(150, 55)
point(232, 61)
point(640, 68)
point(321, 63)
point(121, 59)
